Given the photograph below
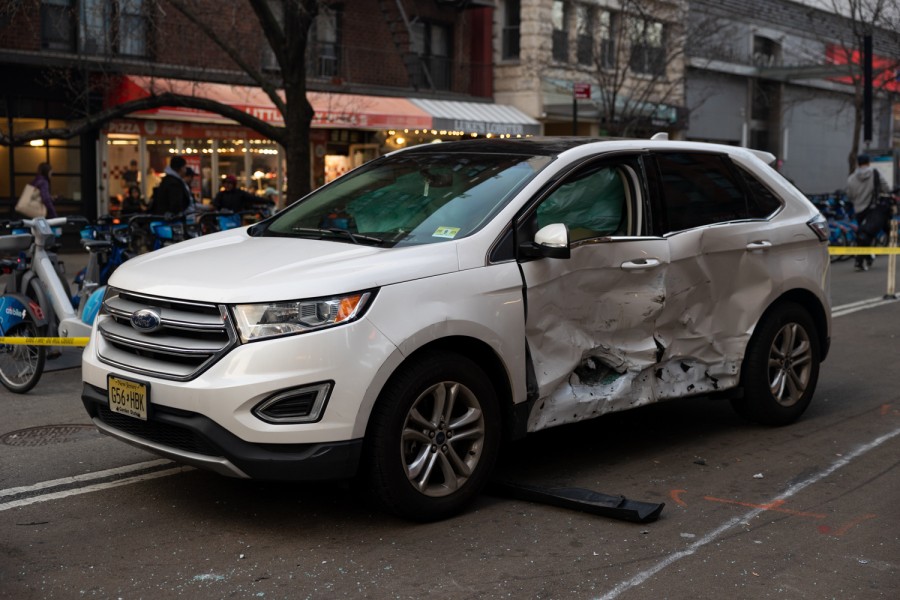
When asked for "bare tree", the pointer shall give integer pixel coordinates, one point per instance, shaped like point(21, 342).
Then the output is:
point(639, 59)
point(634, 54)
point(285, 25)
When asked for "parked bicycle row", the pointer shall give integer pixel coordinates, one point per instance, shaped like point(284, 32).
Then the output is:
point(37, 297)
point(843, 225)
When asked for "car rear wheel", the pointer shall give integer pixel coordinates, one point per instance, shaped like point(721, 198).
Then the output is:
point(433, 437)
point(781, 367)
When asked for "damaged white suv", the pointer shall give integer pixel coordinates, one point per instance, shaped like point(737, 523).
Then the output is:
point(404, 320)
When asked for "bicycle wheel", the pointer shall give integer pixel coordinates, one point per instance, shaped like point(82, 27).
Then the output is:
point(21, 366)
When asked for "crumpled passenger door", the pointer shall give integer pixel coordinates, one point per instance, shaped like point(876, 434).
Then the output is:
point(590, 318)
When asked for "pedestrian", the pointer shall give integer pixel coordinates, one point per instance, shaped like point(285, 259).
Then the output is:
point(232, 197)
point(131, 175)
point(42, 182)
point(150, 181)
point(864, 186)
point(172, 195)
point(194, 208)
point(133, 203)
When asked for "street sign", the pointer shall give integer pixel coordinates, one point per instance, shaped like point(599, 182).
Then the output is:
point(582, 91)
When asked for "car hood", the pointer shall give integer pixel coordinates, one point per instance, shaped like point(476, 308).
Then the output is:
point(233, 267)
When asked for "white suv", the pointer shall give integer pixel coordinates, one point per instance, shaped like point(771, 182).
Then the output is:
point(405, 319)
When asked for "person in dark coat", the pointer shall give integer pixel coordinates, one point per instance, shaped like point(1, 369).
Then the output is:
point(133, 203)
point(172, 195)
point(233, 198)
point(42, 182)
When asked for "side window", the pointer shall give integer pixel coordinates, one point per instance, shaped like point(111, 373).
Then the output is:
point(699, 189)
point(592, 203)
point(763, 202)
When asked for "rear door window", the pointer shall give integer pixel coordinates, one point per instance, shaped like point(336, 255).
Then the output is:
point(698, 189)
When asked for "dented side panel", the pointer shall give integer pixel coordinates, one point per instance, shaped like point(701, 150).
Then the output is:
point(590, 323)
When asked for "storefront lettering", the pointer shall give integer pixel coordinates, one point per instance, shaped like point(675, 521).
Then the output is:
point(124, 127)
point(269, 115)
point(485, 127)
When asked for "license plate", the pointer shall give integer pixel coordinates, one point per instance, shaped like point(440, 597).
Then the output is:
point(128, 397)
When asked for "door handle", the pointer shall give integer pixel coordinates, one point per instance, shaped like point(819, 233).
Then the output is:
point(640, 264)
point(759, 245)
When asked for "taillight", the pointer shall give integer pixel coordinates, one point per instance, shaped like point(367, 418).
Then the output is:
point(819, 225)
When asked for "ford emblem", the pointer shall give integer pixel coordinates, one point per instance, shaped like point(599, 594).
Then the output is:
point(146, 320)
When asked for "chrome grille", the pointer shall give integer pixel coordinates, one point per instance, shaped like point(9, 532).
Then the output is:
point(191, 337)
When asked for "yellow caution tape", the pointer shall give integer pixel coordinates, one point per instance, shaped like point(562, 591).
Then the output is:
point(45, 341)
point(862, 250)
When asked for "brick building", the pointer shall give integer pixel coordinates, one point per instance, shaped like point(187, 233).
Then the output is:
point(381, 74)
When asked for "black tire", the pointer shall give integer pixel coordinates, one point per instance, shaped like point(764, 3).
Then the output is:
point(21, 366)
point(425, 459)
point(781, 367)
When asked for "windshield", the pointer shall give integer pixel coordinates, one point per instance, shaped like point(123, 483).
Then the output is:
point(410, 198)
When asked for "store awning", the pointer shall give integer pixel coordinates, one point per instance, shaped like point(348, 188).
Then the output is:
point(478, 117)
point(332, 110)
point(351, 111)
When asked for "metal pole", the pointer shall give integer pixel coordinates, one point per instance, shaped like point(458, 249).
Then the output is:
point(892, 264)
point(867, 90)
point(574, 114)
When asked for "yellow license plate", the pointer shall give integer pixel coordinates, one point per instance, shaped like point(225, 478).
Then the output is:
point(128, 397)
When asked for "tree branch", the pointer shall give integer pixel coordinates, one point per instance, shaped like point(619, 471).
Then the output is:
point(232, 51)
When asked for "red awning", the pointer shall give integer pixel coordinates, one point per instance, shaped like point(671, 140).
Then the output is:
point(332, 110)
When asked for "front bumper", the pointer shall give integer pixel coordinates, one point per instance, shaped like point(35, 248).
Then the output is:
point(196, 440)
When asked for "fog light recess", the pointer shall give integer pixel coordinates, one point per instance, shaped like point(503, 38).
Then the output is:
point(296, 405)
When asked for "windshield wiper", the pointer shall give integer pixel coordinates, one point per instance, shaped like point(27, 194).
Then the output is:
point(356, 238)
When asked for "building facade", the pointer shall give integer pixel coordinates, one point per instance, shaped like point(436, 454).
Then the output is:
point(593, 67)
point(381, 74)
point(772, 75)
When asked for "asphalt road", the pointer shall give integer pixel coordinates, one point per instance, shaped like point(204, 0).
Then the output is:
point(804, 511)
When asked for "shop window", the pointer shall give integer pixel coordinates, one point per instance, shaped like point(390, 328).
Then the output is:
point(560, 42)
point(57, 25)
point(431, 42)
point(113, 27)
point(648, 51)
point(512, 19)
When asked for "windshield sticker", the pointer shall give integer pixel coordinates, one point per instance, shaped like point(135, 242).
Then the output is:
point(446, 232)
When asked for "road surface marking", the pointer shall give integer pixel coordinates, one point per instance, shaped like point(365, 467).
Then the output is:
point(85, 477)
point(732, 523)
point(846, 309)
point(91, 488)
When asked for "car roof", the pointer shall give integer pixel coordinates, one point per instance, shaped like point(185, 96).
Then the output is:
point(554, 146)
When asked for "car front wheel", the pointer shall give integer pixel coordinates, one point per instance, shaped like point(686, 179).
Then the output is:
point(433, 437)
point(781, 367)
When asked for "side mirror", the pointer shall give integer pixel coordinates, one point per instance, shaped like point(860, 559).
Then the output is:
point(552, 241)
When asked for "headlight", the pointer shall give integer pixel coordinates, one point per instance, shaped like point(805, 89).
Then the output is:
point(258, 321)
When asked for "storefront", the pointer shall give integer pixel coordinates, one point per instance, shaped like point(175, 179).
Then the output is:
point(212, 151)
point(347, 130)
